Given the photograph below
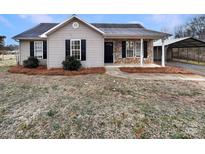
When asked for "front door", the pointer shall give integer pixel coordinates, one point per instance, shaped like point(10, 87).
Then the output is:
point(108, 56)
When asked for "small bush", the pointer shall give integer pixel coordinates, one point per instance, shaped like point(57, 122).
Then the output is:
point(51, 113)
point(31, 62)
point(71, 64)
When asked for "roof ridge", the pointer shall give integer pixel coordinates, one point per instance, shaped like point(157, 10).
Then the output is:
point(113, 23)
point(49, 23)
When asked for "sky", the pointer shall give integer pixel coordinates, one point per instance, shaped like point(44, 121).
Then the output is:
point(13, 24)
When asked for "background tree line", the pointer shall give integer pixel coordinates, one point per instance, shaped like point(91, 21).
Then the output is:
point(3, 47)
point(193, 28)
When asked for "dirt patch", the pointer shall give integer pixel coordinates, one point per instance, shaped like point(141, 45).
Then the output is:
point(55, 71)
point(167, 70)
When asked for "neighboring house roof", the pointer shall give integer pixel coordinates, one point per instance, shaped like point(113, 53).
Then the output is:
point(184, 42)
point(107, 29)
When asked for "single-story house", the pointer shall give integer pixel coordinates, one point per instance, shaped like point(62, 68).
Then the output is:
point(178, 48)
point(94, 44)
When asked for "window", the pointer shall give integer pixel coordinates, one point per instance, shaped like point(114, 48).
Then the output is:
point(76, 49)
point(38, 49)
point(129, 49)
point(138, 49)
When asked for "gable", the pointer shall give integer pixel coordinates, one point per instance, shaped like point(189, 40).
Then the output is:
point(71, 20)
point(67, 31)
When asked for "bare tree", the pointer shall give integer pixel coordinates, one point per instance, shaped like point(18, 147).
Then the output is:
point(194, 28)
point(165, 30)
point(2, 44)
point(179, 32)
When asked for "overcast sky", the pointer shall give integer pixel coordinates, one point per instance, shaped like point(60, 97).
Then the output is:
point(11, 25)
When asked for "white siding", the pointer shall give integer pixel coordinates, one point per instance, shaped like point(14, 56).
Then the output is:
point(25, 52)
point(94, 45)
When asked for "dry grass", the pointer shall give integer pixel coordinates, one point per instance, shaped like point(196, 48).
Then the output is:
point(55, 71)
point(8, 61)
point(167, 70)
point(99, 106)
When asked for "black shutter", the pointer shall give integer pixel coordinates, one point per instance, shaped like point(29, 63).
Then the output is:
point(31, 48)
point(44, 49)
point(123, 49)
point(83, 50)
point(67, 48)
point(145, 49)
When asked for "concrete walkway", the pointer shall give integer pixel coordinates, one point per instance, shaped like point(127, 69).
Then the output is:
point(114, 71)
point(130, 65)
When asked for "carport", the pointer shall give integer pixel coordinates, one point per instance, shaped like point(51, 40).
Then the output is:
point(187, 48)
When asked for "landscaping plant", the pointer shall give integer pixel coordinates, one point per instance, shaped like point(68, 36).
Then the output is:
point(72, 64)
point(31, 62)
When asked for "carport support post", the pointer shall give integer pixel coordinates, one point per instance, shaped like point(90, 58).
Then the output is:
point(163, 53)
point(141, 53)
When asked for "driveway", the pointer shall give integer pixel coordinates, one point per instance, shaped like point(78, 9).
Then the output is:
point(114, 71)
point(198, 69)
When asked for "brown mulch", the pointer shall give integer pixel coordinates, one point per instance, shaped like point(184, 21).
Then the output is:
point(41, 70)
point(168, 70)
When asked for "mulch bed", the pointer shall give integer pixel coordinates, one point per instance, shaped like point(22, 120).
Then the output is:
point(167, 70)
point(55, 71)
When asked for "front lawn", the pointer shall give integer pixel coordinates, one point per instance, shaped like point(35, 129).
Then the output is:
point(7, 62)
point(99, 106)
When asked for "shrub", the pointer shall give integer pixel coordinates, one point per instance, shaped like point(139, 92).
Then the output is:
point(51, 113)
point(31, 62)
point(70, 63)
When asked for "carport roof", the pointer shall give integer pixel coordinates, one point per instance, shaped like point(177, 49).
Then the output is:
point(185, 42)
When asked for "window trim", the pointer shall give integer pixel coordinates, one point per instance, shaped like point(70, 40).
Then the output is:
point(136, 48)
point(72, 49)
point(133, 49)
point(35, 49)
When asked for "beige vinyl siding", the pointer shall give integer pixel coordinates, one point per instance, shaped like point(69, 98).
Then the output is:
point(25, 52)
point(94, 45)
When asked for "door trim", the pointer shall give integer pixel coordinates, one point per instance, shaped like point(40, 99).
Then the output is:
point(112, 51)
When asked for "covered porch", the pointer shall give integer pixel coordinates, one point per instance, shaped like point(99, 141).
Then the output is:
point(130, 52)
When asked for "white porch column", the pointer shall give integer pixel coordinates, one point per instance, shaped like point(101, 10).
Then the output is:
point(141, 53)
point(163, 54)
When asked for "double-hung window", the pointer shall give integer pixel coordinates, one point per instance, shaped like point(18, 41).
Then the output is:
point(137, 48)
point(130, 48)
point(38, 49)
point(76, 49)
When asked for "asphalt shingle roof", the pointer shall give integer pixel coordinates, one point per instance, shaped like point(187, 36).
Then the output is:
point(108, 28)
point(110, 25)
point(36, 31)
point(130, 32)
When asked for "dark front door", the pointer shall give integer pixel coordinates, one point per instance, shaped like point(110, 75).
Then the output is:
point(108, 56)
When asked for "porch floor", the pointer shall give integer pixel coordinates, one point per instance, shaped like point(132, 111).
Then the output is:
point(107, 65)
